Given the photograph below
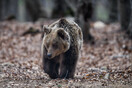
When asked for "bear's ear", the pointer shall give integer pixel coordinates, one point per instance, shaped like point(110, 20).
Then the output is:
point(46, 30)
point(62, 22)
point(63, 34)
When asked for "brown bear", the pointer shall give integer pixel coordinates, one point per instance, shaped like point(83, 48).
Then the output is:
point(60, 48)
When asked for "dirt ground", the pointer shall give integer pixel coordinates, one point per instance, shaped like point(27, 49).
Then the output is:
point(105, 64)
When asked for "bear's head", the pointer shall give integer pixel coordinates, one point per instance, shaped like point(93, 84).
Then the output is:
point(56, 41)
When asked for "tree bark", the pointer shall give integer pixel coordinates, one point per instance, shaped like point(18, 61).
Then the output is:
point(33, 8)
point(130, 24)
point(83, 16)
point(125, 13)
point(113, 10)
point(8, 8)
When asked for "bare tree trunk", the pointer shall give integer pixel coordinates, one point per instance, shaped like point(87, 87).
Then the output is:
point(83, 16)
point(130, 31)
point(130, 24)
point(58, 11)
point(113, 10)
point(62, 8)
point(130, 28)
point(8, 8)
point(125, 13)
point(34, 9)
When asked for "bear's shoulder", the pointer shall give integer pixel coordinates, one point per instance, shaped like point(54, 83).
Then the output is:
point(63, 22)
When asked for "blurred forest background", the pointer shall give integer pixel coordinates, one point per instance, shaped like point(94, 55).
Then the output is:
point(106, 57)
point(83, 11)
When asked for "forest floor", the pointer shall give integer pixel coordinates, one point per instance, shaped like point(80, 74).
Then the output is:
point(107, 63)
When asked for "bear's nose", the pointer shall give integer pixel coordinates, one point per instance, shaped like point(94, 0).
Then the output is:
point(49, 55)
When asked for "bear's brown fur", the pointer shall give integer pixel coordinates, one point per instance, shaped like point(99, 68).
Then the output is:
point(60, 48)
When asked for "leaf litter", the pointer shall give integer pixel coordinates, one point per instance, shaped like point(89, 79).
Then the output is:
point(107, 63)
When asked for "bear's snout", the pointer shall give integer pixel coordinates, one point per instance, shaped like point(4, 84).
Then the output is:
point(49, 55)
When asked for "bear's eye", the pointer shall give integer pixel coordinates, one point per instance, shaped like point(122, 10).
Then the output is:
point(55, 46)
